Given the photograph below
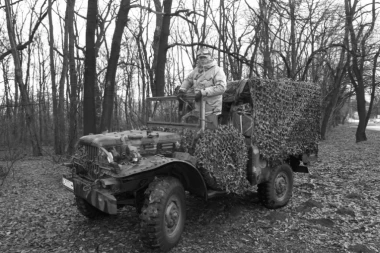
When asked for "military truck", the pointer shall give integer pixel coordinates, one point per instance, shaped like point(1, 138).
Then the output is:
point(152, 169)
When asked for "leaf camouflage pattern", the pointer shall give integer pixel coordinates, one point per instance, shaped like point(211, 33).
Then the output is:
point(221, 154)
point(286, 116)
point(222, 159)
point(285, 121)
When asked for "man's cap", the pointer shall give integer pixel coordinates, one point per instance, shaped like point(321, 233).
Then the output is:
point(203, 51)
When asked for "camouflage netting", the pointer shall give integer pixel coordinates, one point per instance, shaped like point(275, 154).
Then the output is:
point(221, 156)
point(285, 115)
point(280, 116)
point(222, 159)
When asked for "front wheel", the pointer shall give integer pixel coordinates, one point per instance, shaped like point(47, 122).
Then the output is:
point(277, 191)
point(163, 214)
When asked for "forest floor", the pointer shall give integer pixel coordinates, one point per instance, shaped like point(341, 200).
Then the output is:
point(335, 208)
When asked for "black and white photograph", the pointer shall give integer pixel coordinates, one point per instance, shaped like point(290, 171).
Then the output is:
point(190, 126)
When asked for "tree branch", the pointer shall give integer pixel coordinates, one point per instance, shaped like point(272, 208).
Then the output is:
point(30, 40)
point(11, 4)
point(235, 55)
point(177, 13)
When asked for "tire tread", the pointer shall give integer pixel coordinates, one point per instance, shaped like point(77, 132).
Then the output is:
point(150, 232)
point(266, 189)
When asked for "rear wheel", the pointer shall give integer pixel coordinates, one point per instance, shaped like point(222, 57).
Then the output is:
point(163, 214)
point(277, 191)
point(88, 210)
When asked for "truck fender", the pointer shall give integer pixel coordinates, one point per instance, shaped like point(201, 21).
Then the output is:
point(189, 176)
point(151, 167)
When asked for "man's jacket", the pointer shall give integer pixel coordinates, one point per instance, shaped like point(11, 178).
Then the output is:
point(211, 81)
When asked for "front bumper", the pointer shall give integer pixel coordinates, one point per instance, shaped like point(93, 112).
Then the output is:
point(102, 199)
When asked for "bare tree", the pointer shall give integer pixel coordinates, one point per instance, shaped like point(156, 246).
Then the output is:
point(7, 89)
point(358, 55)
point(109, 91)
point(89, 111)
point(59, 140)
point(30, 120)
point(374, 84)
point(73, 79)
point(334, 76)
point(24, 45)
point(159, 82)
point(155, 45)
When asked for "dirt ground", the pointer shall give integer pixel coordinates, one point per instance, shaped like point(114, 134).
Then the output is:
point(335, 208)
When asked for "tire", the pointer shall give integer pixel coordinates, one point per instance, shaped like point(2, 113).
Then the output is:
point(277, 191)
point(86, 209)
point(163, 214)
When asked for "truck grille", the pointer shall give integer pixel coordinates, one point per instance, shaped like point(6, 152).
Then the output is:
point(88, 157)
point(91, 152)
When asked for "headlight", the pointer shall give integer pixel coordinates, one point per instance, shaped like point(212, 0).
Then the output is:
point(135, 156)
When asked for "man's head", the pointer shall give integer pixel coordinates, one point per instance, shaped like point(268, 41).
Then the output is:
point(204, 56)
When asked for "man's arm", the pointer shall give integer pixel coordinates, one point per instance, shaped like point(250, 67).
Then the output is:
point(188, 82)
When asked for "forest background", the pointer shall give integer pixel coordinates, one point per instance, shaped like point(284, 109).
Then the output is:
point(69, 68)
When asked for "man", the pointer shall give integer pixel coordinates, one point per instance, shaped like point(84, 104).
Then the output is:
point(206, 81)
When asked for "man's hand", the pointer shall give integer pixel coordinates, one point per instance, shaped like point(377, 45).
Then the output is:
point(198, 96)
point(181, 93)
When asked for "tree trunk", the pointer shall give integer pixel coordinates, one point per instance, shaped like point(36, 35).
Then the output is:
point(8, 104)
point(360, 99)
point(116, 125)
point(59, 144)
point(373, 81)
point(62, 81)
point(143, 79)
point(328, 111)
point(221, 4)
point(29, 114)
point(265, 33)
point(293, 63)
point(89, 111)
point(40, 100)
point(155, 46)
point(357, 44)
point(73, 79)
point(159, 82)
point(337, 79)
point(204, 24)
point(148, 69)
point(109, 91)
